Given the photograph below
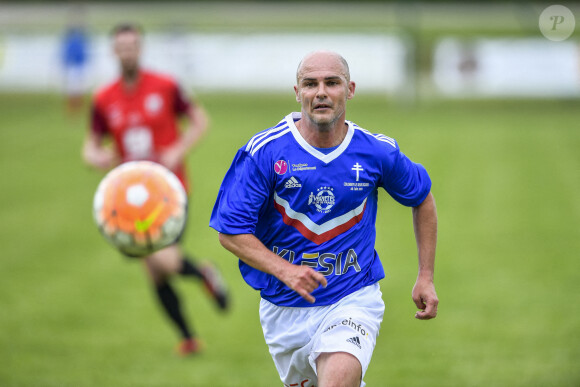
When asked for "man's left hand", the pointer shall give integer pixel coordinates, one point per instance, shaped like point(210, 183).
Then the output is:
point(426, 299)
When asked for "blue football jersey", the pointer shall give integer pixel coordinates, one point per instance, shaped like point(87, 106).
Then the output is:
point(315, 208)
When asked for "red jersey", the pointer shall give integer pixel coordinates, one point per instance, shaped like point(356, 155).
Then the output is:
point(142, 120)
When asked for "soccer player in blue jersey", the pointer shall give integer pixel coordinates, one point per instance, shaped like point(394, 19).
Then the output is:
point(298, 207)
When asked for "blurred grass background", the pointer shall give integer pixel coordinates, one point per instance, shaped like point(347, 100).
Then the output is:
point(73, 312)
point(506, 175)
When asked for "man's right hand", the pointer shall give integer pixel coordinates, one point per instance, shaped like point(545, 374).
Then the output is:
point(104, 160)
point(303, 280)
point(96, 155)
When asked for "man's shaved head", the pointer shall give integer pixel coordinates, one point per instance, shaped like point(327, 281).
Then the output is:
point(316, 58)
point(323, 86)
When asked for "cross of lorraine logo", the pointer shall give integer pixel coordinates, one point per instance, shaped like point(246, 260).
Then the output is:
point(358, 168)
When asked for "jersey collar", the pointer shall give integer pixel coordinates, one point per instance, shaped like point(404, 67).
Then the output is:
point(325, 158)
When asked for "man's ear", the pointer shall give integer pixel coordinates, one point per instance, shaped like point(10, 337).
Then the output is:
point(297, 94)
point(351, 87)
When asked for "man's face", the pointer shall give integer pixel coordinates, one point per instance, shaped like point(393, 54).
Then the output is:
point(127, 47)
point(323, 89)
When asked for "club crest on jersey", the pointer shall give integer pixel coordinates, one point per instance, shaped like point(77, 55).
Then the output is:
point(280, 167)
point(323, 200)
point(153, 103)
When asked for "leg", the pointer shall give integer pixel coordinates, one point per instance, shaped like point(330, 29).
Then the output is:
point(338, 369)
point(211, 277)
point(345, 340)
point(161, 266)
point(189, 268)
point(172, 307)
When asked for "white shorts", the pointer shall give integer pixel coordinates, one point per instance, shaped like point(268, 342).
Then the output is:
point(297, 336)
point(74, 80)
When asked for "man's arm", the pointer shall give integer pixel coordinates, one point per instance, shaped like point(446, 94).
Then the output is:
point(425, 225)
point(302, 279)
point(198, 123)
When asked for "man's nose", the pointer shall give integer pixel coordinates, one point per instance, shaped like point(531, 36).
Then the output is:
point(321, 92)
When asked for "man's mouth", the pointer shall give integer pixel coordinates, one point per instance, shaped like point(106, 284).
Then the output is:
point(321, 106)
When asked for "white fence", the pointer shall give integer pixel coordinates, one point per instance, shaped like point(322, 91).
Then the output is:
point(223, 62)
point(507, 68)
point(379, 63)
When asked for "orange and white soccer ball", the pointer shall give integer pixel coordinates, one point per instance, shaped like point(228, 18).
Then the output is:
point(140, 207)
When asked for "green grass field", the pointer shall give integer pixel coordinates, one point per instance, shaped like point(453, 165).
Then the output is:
point(506, 176)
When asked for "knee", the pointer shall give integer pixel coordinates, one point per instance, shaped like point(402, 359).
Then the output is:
point(166, 261)
point(338, 369)
point(156, 275)
point(159, 269)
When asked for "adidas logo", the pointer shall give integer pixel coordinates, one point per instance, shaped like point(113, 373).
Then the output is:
point(292, 183)
point(354, 340)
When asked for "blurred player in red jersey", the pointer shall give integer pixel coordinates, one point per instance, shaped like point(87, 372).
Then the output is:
point(140, 112)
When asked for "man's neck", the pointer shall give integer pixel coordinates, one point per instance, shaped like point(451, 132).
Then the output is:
point(130, 78)
point(322, 136)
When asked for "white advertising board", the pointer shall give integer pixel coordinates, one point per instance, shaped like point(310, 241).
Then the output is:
point(221, 62)
point(507, 68)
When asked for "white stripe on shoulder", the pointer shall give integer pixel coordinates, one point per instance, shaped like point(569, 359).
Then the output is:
point(265, 133)
point(380, 137)
point(258, 144)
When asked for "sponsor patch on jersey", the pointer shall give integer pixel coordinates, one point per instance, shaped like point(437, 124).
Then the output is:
point(280, 167)
point(323, 200)
point(302, 167)
point(115, 116)
point(292, 183)
point(138, 143)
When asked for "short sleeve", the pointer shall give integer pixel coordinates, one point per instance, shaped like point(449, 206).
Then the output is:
point(407, 182)
point(98, 121)
point(181, 103)
point(243, 193)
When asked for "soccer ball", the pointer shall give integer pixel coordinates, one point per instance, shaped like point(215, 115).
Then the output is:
point(140, 207)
